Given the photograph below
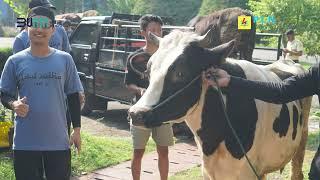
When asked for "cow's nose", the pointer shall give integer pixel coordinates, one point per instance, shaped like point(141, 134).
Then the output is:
point(136, 118)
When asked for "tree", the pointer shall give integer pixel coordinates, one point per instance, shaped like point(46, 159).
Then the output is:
point(20, 7)
point(181, 11)
point(302, 16)
point(121, 6)
point(208, 6)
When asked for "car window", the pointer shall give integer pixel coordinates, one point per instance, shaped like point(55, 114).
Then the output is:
point(85, 34)
point(115, 45)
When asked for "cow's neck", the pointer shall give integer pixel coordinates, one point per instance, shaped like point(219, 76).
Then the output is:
point(193, 117)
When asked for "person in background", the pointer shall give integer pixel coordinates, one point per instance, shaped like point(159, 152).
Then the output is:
point(294, 47)
point(163, 135)
point(67, 27)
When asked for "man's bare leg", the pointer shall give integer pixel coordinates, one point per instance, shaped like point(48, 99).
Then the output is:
point(136, 163)
point(163, 161)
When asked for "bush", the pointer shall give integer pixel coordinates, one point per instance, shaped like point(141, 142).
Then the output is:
point(4, 55)
point(9, 31)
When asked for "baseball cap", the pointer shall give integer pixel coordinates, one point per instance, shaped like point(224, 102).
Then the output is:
point(42, 11)
point(44, 3)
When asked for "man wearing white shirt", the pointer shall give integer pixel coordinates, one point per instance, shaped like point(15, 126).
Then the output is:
point(294, 47)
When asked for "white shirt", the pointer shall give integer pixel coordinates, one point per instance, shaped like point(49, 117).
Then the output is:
point(294, 45)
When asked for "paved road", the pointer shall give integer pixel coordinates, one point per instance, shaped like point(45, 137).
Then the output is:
point(110, 123)
point(6, 42)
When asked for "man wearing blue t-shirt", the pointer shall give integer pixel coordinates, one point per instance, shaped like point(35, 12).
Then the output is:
point(59, 40)
point(41, 76)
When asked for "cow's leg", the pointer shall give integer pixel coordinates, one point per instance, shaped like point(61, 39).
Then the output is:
point(297, 161)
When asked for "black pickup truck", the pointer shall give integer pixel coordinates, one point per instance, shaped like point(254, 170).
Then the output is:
point(100, 46)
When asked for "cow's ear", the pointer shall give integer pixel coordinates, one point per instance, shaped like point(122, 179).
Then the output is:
point(217, 55)
point(223, 50)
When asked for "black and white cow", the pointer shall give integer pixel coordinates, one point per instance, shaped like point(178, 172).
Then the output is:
point(271, 134)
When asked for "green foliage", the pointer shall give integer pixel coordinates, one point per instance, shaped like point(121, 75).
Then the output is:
point(181, 11)
point(208, 6)
point(9, 31)
point(4, 55)
point(1, 31)
point(6, 167)
point(299, 15)
point(20, 7)
point(121, 6)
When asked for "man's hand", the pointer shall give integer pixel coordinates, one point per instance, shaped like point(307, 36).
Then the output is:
point(223, 78)
point(82, 99)
point(75, 138)
point(21, 107)
point(285, 50)
point(142, 91)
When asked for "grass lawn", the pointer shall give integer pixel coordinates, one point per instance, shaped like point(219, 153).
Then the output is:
point(97, 152)
point(313, 141)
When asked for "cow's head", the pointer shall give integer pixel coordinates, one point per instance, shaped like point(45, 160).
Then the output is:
point(175, 77)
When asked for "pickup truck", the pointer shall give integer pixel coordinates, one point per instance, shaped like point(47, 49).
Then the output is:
point(100, 46)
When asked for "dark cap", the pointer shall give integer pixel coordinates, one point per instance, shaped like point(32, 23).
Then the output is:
point(290, 31)
point(66, 23)
point(42, 11)
point(44, 3)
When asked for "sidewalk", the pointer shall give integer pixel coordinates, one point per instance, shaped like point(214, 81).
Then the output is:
point(182, 156)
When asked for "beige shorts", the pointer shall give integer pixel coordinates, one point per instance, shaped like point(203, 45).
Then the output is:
point(162, 135)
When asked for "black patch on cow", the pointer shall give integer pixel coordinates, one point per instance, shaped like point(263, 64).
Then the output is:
point(295, 122)
point(187, 68)
point(181, 72)
point(281, 126)
point(242, 113)
point(282, 122)
point(281, 74)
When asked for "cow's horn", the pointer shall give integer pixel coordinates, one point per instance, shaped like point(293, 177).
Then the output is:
point(205, 40)
point(154, 38)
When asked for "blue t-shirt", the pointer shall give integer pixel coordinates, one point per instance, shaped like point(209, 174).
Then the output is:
point(44, 81)
point(59, 40)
